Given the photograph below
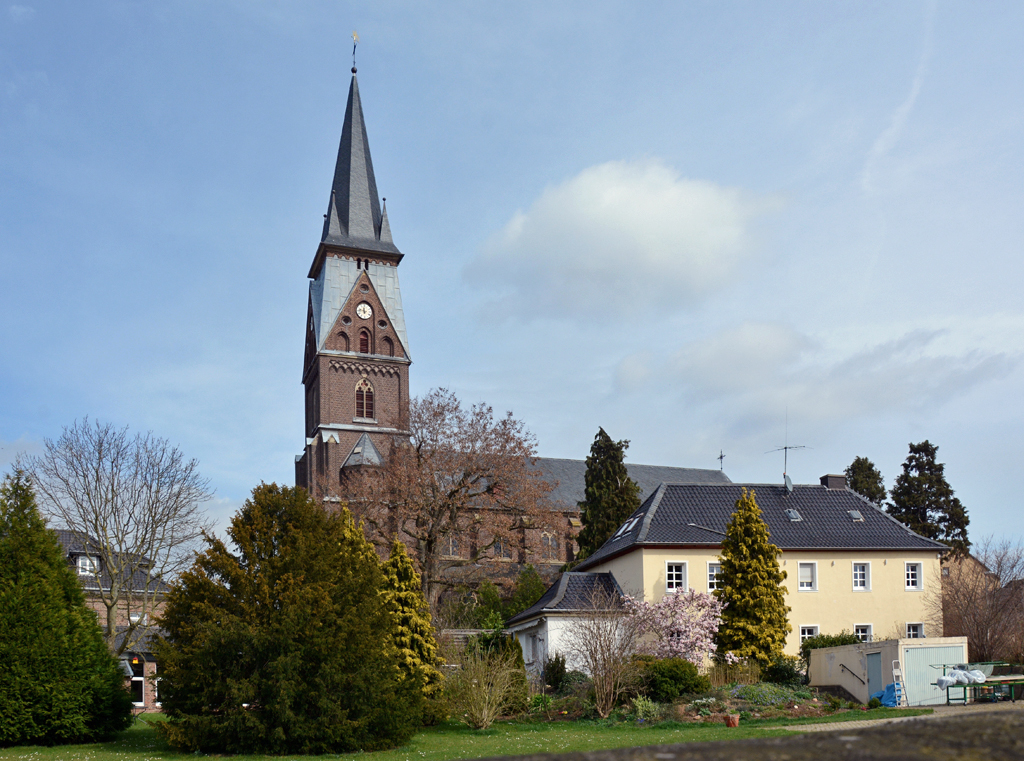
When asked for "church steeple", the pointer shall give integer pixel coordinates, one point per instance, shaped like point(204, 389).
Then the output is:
point(356, 365)
point(354, 217)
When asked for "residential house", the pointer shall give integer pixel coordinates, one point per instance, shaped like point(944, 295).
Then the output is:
point(141, 600)
point(849, 565)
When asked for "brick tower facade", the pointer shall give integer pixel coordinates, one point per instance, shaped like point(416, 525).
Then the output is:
point(356, 366)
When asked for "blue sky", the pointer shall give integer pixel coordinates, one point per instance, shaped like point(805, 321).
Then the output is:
point(681, 221)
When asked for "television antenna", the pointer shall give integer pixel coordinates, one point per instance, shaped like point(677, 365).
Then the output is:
point(721, 460)
point(785, 455)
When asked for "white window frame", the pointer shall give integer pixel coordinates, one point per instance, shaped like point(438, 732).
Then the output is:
point(88, 565)
point(805, 637)
point(921, 629)
point(138, 618)
point(870, 631)
point(814, 576)
point(718, 581)
point(671, 590)
point(920, 576)
point(867, 578)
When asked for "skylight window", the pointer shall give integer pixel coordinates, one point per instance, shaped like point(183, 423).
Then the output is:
point(793, 515)
point(626, 527)
point(857, 517)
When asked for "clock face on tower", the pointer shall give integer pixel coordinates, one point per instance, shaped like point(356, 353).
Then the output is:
point(364, 311)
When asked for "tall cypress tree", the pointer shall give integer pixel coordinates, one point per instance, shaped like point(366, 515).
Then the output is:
point(923, 500)
point(754, 622)
point(287, 646)
point(864, 478)
point(58, 681)
point(610, 496)
point(414, 634)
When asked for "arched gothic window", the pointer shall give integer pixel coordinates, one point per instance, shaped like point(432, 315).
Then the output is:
point(364, 399)
point(343, 336)
point(364, 341)
point(389, 347)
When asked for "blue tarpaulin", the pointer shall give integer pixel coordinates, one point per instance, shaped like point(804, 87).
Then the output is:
point(887, 696)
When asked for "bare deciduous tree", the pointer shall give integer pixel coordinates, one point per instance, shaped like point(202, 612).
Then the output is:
point(982, 598)
point(459, 491)
point(601, 639)
point(134, 502)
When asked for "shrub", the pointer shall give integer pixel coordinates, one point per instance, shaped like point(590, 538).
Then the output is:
point(784, 669)
point(58, 681)
point(573, 682)
point(874, 703)
point(540, 703)
point(497, 641)
point(645, 709)
point(665, 679)
point(763, 694)
point(554, 671)
point(414, 635)
point(287, 644)
point(485, 684)
point(825, 640)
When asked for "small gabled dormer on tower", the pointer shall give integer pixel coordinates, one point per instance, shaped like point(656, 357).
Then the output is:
point(355, 371)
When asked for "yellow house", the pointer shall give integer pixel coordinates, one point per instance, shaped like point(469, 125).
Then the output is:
point(849, 565)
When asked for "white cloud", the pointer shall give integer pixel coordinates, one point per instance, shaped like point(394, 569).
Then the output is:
point(753, 372)
point(21, 12)
point(618, 237)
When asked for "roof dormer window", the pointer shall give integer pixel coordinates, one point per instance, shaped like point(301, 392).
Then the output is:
point(88, 565)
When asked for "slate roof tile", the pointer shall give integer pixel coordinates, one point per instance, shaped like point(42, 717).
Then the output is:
point(572, 591)
point(697, 514)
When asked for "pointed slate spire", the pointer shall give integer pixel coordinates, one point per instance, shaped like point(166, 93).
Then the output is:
point(354, 215)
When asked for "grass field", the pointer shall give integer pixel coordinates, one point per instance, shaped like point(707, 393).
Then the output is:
point(456, 741)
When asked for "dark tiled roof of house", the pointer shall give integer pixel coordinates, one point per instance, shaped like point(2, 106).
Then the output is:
point(76, 544)
point(697, 514)
point(569, 477)
point(572, 591)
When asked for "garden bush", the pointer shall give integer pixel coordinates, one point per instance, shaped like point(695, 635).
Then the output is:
point(763, 694)
point(485, 685)
point(784, 669)
point(554, 671)
point(286, 643)
point(645, 710)
point(574, 681)
point(497, 641)
point(874, 703)
point(665, 679)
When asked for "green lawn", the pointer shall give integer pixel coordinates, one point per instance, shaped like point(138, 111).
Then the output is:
point(455, 741)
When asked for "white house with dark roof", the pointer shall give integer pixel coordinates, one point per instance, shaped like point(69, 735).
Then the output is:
point(849, 565)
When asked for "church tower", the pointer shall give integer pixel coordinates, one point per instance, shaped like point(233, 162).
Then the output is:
point(356, 367)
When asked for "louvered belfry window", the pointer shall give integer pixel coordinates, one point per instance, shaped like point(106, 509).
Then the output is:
point(364, 399)
point(364, 342)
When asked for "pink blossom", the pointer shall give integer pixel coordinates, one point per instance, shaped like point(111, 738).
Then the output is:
point(681, 625)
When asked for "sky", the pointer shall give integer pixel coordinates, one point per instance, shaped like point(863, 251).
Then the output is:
point(707, 227)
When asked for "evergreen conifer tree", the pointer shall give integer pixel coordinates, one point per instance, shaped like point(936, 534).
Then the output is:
point(923, 500)
point(287, 646)
point(610, 497)
point(754, 622)
point(414, 634)
point(864, 478)
point(58, 681)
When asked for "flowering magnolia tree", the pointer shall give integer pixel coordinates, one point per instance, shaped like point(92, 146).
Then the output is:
point(681, 625)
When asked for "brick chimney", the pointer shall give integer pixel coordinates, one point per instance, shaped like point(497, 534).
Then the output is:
point(832, 481)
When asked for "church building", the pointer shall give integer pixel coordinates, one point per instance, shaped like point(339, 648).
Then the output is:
point(356, 366)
